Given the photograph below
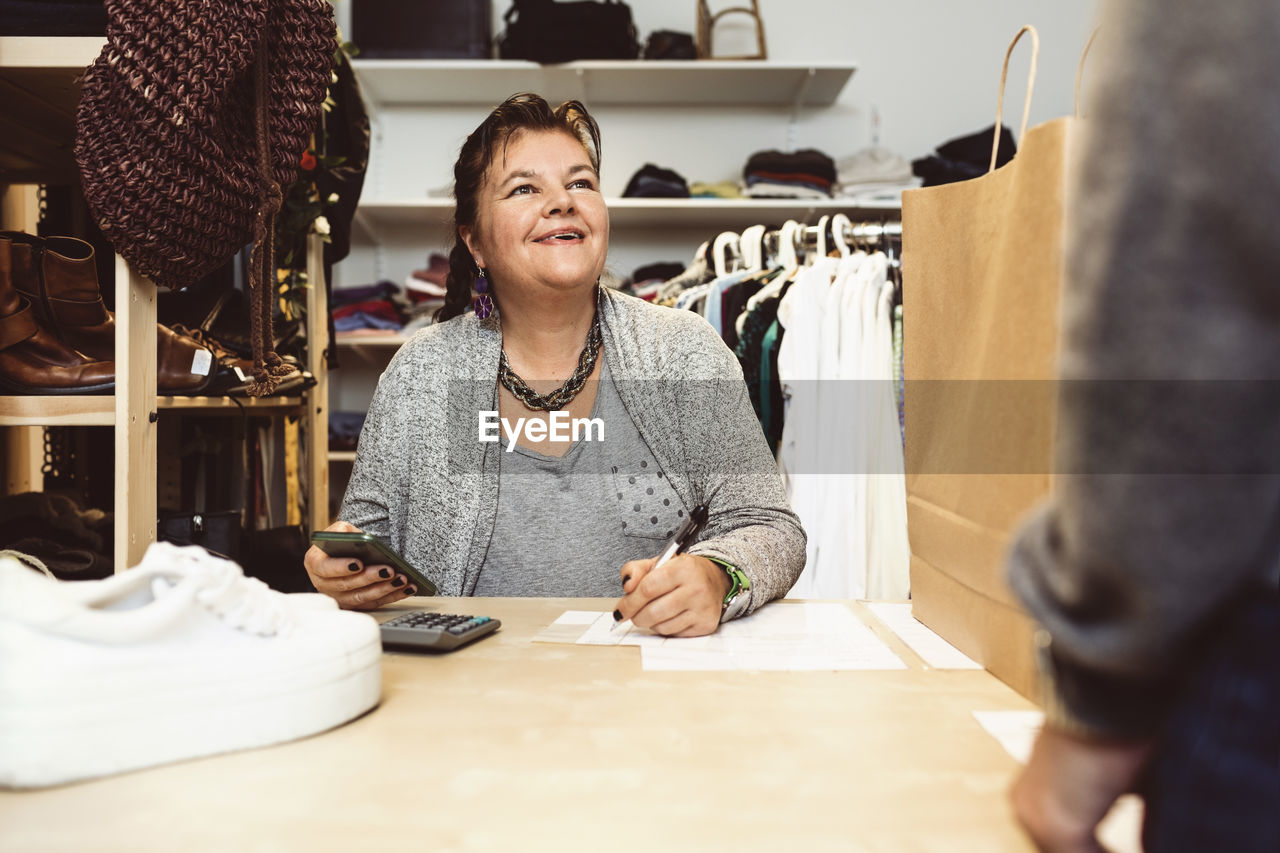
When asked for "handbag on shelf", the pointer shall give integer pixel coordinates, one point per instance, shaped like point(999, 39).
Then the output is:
point(669, 44)
point(422, 29)
point(549, 32)
point(217, 532)
point(52, 18)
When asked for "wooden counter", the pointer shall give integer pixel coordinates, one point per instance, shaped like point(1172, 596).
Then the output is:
point(513, 745)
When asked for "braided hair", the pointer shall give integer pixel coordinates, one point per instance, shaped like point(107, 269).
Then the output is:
point(516, 114)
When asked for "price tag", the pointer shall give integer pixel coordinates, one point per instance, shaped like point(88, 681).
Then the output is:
point(201, 362)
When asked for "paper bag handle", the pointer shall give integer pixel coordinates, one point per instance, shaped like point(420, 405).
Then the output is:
point(1031, 84)
point(1080, 68)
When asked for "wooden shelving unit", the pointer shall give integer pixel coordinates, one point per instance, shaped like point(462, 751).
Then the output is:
point(57, 411)
point(39, 84)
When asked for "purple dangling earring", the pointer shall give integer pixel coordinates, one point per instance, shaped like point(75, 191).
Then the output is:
point(483, 304)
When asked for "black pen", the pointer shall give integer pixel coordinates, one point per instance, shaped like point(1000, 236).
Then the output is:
point(682, 539)
point(685, 535)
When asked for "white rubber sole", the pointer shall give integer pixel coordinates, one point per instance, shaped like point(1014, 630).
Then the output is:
point(46, 743)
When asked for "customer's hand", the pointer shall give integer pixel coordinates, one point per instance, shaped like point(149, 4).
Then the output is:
point(681, 598)
point(1068, 787)
point(353, 586)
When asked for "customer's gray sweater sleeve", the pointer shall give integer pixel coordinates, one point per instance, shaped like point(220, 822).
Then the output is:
point(1168, 506)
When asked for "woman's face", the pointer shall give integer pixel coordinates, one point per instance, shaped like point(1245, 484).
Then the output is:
point(541, 221)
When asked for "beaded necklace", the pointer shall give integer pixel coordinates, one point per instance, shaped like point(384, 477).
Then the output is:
point(562, 396)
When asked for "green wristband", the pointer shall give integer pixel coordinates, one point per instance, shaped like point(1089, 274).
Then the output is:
point(738, 580)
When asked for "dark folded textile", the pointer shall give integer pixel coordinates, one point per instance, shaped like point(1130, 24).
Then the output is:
point(806, 161)
point(344, 429)
point(964, 158)
point(53, 516)
point(809, 180)
point(359, 320)
point(349, 295)
point(652, 181)
point(373, 307)
point(660, 271)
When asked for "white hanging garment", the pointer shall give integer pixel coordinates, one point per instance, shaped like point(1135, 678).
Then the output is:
point(799, 357)
point(889, 555)
point(839, 531)
point(869, 374)
point(854, 372)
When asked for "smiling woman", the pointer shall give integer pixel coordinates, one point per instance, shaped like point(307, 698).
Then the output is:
point(552, 513)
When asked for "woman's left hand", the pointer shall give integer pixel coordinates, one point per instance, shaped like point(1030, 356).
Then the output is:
point(682, 598)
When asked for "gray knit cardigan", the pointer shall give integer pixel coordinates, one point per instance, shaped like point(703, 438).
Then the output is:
point(425, 484)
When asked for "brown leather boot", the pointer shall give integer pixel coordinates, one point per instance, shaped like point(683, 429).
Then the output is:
point(60, 277)
point(32, 359)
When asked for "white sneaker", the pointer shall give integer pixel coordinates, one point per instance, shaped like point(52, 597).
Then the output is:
point(160, 554)
point(182, 656)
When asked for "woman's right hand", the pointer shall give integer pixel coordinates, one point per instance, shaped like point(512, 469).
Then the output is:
point(353, 586)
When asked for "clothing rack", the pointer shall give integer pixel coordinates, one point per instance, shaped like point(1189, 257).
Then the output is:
point(861, 233)
point(874, 232)
point(806, 238)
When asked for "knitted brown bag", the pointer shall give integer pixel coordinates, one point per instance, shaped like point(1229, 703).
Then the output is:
point(192, 119)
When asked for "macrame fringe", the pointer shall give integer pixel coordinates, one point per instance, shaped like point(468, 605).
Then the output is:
point(268, 368)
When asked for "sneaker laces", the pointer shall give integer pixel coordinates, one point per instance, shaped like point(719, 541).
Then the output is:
point(244, 603)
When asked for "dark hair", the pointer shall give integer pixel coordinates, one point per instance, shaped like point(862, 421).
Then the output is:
point(516, 114)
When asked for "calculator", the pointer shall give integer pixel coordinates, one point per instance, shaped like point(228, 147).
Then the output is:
point(424, 631)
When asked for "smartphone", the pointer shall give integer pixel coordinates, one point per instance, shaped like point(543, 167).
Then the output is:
point(370, 551)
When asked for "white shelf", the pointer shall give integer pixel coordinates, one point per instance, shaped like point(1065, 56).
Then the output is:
point(392, 82)
point(359, 340)
point(375, 219)
point(727, 213)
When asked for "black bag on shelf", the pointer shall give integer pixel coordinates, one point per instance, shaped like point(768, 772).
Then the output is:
point(421, 29)
point(52, 18)
point(218, 532)
point(548, 32)
point(669, 44)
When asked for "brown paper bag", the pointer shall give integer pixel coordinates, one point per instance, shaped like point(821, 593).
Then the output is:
point(982, 268)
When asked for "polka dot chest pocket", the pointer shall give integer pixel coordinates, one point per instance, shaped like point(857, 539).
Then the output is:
point(647, 505)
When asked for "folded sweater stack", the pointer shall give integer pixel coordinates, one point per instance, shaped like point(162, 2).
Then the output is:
point(807, 173)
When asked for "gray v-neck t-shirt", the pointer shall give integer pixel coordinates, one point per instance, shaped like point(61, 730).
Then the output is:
point(565, 525)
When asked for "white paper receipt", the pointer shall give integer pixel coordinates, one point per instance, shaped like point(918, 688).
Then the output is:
point(577, 617)
point(788, 637)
